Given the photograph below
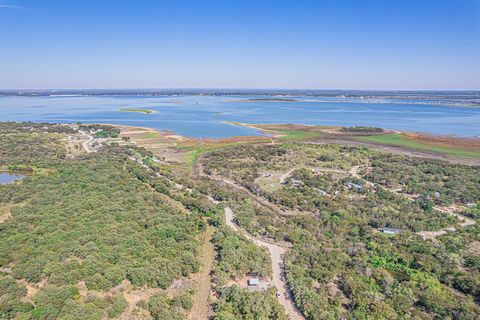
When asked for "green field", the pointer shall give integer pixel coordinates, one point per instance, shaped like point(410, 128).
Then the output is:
point(297, 134)
point(145, 111)
point(398, 139)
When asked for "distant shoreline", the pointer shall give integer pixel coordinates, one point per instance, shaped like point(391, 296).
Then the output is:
point(453, 104)
point(267, 100)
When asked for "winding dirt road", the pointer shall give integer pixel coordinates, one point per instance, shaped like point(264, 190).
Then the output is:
point(276, 253)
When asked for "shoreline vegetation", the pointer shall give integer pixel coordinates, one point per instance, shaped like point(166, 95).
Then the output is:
point(144, 111)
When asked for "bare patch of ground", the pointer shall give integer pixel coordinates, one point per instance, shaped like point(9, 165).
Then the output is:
point(474, 247)
point(6, 269)
point(32, 289)
point(75, 144)
point(334, 288)
point(5, 213)
point(6, 210)
point(132, 296)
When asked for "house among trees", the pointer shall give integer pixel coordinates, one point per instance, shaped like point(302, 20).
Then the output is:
point(321, 192)
point(296, 183)
point(389, 230)
point(253, 282)
point(355, 186)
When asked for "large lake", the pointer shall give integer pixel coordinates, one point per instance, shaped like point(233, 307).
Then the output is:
point(203, 116)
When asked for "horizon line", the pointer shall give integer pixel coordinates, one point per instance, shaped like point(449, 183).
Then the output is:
point(235, 88)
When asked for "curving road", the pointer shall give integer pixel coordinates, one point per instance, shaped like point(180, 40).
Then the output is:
point(276, 253)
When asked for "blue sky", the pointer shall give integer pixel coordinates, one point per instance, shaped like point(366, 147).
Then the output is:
point(356, 44)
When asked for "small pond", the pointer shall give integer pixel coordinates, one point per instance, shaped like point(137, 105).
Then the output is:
point(6, 177)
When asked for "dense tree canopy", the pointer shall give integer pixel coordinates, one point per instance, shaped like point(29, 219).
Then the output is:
point(90, 219)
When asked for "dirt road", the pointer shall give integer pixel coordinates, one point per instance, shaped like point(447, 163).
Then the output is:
point(86, 143)
point(284, 176)
point(465, 222)
point(276, 253)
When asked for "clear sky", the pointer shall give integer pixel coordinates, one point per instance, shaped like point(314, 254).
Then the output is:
point(356, 44)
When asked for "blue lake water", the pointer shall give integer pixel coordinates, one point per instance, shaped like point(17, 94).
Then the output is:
point(6, 177)
point(203, 116)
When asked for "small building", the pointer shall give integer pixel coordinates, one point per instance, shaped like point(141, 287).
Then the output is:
point(389, 230)
point(321, 192)
point(253, 282)
point(296, 183)
point(357, 187)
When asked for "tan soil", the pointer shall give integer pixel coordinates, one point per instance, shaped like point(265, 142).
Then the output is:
point(32, 289)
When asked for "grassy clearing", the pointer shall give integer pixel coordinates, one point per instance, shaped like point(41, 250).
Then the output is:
point(145, 111)
point(400, 140)
point(151, 135)
point(298, 134)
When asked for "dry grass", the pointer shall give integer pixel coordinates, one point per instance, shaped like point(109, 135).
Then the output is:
point(471, 144)
point(161, 143)
point(5, 213)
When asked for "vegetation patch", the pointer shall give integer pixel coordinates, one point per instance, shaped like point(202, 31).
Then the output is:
point(145, 111)
point(362, 129)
